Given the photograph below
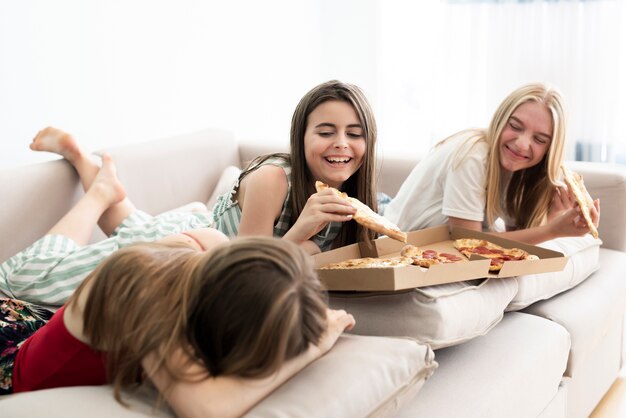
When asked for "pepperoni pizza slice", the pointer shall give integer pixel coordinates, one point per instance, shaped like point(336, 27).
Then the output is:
point(497, 254)
point(427, 258)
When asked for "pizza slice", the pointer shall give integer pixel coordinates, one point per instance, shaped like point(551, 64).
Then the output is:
point(366, 216)
point(369, 262)
point(427, 258)
point(497, 254)
point(575, 183)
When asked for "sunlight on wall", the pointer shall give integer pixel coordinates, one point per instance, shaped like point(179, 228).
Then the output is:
point(449, 64)
point(117, 72)
point(121, 71)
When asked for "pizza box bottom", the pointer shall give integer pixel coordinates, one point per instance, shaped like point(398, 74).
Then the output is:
point(440, 239)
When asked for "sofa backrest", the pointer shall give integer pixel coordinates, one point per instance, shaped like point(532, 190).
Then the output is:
point(158, 175)
point(164, 174)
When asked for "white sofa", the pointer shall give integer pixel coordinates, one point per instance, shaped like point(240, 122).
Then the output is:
point(555, 358)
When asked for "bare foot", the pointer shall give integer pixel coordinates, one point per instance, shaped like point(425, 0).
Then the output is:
point(106, 185)
point(55, 140)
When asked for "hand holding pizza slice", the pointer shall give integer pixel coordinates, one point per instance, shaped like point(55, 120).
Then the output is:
point(576, 185)
point(366, 216)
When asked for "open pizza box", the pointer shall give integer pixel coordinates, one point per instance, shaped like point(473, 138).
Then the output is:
point(440, 239)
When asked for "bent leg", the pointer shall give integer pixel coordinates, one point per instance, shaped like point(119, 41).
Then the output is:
point(59, 142)
point(104, 192)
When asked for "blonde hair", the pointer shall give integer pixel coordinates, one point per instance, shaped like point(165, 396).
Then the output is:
point(529, 192)
point(242, 309)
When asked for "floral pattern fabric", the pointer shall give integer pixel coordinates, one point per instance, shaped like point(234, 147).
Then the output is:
point(18, 321)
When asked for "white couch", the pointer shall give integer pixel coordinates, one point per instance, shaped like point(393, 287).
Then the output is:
point(555, 358)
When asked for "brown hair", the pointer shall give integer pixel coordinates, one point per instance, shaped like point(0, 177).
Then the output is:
point(242, 309)
point(361, 185)
point(255, 278)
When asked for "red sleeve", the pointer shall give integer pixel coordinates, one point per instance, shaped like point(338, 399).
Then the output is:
point(52, 357)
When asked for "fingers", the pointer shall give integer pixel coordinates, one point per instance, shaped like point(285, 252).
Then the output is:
point(340, 319)
point(326, 196)
point(561, 201)
point(595, 212)
point(330, 204)
point(563, 197)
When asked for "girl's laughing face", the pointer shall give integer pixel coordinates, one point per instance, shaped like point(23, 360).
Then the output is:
point(334, 143)
point(526, 137)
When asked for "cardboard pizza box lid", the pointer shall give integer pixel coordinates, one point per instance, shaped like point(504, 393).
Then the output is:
point(438, 238)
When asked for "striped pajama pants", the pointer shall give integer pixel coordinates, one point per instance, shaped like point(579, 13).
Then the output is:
point(48, 271)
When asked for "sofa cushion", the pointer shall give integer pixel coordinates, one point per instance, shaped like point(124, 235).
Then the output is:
point(190, 207)
point(82, 401)
point(513, 371)
point(441, 316)
point(360, 376)
point(588, 310)
point(583, 253)
point(224, 184)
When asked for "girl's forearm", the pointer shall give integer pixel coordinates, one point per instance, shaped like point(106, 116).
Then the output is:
point(227, 396)
point(530, 236)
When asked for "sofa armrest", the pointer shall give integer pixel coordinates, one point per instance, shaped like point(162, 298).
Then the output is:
point(607, 182)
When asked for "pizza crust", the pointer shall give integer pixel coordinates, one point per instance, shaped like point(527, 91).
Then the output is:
point(366, 216)
point(575, 183)
point(369, 262)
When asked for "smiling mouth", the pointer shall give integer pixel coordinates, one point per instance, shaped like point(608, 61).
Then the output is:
point(515, 154)
point(338, 160)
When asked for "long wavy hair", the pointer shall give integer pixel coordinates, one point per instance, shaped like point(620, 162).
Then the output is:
point(361, 185)
point(529, 192)
point(243, 309)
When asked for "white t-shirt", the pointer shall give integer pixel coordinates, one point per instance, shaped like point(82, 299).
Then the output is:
point(435, 189)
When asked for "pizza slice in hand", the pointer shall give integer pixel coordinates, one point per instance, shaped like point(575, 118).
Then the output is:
point(366, 216)
point(575, 183)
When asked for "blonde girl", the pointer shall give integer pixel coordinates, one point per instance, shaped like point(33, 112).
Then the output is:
point(333, 139)
point(509, 171)
point(214, 331)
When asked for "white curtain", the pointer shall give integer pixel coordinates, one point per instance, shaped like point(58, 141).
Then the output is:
point(446, 65)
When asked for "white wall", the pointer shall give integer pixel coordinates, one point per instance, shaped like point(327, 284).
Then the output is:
point(121, 71)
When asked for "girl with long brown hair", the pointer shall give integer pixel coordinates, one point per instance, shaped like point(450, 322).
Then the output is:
point(333, 139)
point(508, 171)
